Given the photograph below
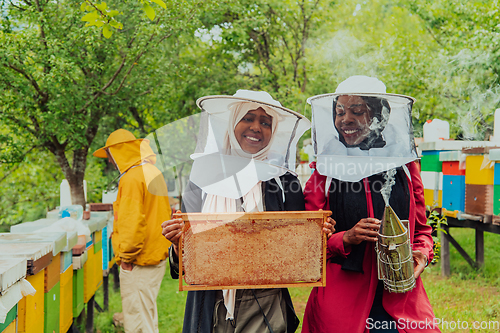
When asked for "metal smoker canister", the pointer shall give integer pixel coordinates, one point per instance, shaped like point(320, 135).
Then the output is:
point(394, 254)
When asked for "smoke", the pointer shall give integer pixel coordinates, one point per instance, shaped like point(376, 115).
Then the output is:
point(387, 188)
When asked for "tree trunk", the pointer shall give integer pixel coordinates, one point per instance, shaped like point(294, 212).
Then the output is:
point(74, 174)
point(77, 193)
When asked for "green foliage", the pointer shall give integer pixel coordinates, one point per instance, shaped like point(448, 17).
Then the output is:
point(61, 84)
point(436, 221)
point(462, 77)
point(101, 16)
point(29, 189)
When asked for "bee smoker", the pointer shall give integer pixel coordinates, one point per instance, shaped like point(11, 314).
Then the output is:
point(394, 254)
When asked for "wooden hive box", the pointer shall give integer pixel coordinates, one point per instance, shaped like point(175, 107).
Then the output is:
point(430, 161)
point(78, 302)
point(479, 170)
point(454, 192)
point(66, 300)
point(479, 199)
point(253, 250)
point(10, 319)
point(52, 306)
point(31, 308)
point(98, 273)
point(52, 273)
point(88, 275)
point(11, 328)
point(496, 200)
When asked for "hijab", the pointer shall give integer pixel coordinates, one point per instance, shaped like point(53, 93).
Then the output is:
point(252, 201)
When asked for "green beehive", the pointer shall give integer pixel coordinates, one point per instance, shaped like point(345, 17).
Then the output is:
point(496, 199)
point(430, 162)
point(98, 246)
point(11, 315)
point(77, 292)
point(51, 309)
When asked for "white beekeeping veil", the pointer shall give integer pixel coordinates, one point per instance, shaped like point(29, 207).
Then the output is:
point(220, 166)
point(349, 150)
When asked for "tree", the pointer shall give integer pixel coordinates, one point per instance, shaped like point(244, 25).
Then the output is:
point(61, 82)
point(465, 73)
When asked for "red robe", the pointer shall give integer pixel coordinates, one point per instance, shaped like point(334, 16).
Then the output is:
point(344, 304)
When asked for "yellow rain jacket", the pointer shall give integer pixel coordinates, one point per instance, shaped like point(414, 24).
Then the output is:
point(141, 206)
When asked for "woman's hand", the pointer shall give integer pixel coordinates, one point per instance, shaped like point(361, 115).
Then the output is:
point(419, 262)
point(329, 227)
point(172, 230)
point(365, 230)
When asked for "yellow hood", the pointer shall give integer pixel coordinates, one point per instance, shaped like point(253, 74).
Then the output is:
point(128, 154)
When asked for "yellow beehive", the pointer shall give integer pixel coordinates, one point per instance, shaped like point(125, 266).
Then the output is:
point(430, 199)
point(66, 299)
point(479, 170)
point(97, 236)
point(89, 275)
point(30, 311)
point(97, 270)
point(11, 328)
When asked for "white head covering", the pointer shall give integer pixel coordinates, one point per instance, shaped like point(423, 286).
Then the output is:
point(233, 173)
point(220, 167)
point(239, 110)
point(394, 132)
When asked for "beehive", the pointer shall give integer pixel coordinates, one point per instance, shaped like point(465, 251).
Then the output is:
point(11, 328)
point(479, 170)
point(257, 250)
point(89, 275)
point(453, 192)
point(52, 309)
point(430, 161)
point(479, 199)
point(31, 307)
point(52, 273)
point(433, 187)
point(78, 302)
point(66, 300)
point(6, 326)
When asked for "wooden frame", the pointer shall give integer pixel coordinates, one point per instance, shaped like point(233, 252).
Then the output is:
point(205, 222)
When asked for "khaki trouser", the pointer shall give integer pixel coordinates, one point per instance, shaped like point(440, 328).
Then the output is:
point(139, 289)
point(248, 314)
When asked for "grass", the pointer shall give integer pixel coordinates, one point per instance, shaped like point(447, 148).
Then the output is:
point(467, 296)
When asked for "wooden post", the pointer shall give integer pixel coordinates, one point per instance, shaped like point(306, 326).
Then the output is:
point(445, 253)
point(479, 248)
point(89, 326)
point(105, 287)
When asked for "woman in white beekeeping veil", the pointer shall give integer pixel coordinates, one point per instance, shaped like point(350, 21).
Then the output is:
point(244, 161)
point(360, 135)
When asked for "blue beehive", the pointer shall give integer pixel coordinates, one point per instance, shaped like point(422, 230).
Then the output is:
point(454, 192)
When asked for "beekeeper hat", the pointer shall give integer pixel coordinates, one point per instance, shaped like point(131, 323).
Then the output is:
point(117, 137)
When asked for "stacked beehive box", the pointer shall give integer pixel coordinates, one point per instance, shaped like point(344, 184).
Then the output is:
point(62, 274)
point(93, 272)
point(12, 270)
point(453, 168)
point(39, 312)
point(432, 177)
point(479, 180)
point(494, 156)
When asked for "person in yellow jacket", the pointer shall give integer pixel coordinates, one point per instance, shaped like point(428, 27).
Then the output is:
point(139, 246)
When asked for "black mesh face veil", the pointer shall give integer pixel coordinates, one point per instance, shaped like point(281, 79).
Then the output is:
point(380, 109)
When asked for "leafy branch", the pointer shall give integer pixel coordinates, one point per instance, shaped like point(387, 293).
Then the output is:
point(101, 16)
point(436, 221)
